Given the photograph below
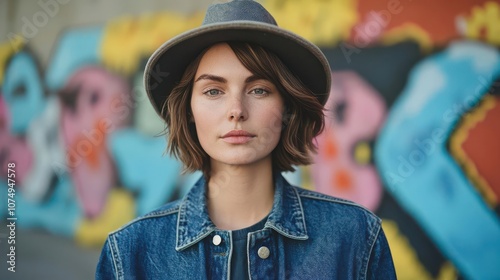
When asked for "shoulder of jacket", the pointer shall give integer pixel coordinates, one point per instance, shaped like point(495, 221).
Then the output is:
point(167, 210)
point(332, 201)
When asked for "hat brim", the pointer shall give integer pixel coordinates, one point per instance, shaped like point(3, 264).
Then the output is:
point(167, 64)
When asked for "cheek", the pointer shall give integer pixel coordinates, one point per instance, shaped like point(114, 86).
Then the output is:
point(206, 133)
point(272, 116)
point(202, 125)
point(200, 109)
point(205, 122)
point(276, 123)
point(269, 120)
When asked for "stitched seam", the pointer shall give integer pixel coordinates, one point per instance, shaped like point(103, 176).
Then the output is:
point(116, 256)
point(148, 216)
point(177, 228)
point(280, 231)
point(301, 211)
point(161, 212)
point(334, 200)
point(180, 219)
point(366, 260)
point(313, 194)
point(197, 239)
point(230, 255)
point(249, 235)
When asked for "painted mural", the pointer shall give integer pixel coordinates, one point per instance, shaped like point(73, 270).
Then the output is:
point(411, 126)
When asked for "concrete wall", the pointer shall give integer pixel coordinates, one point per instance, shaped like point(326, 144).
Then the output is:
point(41, 21)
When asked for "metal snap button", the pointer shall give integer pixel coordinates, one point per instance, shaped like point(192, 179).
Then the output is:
point(217, 240)
point(263, 252)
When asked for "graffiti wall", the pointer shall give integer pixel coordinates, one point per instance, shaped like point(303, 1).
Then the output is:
point(412, 126)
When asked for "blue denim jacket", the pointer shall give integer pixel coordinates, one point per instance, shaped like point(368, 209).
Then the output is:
point(308, 235)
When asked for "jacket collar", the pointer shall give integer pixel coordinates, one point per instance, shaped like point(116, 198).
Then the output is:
point(286, 217)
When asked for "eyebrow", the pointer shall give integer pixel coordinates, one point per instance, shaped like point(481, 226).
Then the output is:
point(253, 78)
point(211, 77)
point(223, 80)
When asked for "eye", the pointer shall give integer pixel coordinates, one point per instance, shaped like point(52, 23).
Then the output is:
point(259, 91)
point(212, 92)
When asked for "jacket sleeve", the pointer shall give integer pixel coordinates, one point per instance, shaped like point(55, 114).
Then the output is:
point(380, 265)
point(105, 266)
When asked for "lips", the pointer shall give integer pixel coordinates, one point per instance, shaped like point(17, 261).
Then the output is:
point(237, 137)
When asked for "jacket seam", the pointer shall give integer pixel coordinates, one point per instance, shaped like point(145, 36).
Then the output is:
point(335, 200)
point(194, 241)
point(177, 225)
point(230, 254)
point(116, 257)
point(160, 214)
point(366, 260)
point(181, 213)
point(248, 256)
point(302, 212)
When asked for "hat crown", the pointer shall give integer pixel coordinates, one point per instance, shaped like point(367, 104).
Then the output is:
point(238, 10)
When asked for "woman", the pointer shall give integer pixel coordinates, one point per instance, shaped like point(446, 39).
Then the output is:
point(242, 100)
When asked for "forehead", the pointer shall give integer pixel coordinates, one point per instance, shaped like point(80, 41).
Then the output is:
point(220, 59)
point(219, 48)
point(219, 53)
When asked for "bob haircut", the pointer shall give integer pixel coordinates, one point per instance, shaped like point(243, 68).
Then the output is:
point(303, 117)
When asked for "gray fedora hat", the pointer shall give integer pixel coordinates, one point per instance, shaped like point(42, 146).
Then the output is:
point(238, 20)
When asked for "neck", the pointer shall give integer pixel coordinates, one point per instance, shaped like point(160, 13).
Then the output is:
point(240, 196)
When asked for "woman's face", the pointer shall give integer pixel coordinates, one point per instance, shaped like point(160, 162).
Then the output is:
point(238, 117)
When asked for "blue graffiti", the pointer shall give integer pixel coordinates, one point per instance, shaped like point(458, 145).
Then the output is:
point(142, 168)
point(23, 91)
point(75, 49)
point(412, 157)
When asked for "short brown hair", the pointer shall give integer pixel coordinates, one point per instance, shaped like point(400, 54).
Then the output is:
point(302, 121)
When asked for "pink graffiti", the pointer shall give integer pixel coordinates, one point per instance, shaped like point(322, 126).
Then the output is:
point(355, 113)
point(94, 103)
point(13, 148)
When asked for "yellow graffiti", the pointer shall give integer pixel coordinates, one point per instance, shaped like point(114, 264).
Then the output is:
point(405, 259)
point(484, 23)
point(447, 272)
point(408, 31)
point(306, 177)
point(362, 153)
point(119, 209)
point(325, 23)
point(6, 51)
point(127, 40)
point(470, 120)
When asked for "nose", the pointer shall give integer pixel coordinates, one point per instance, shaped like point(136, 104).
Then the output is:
point(237, 110)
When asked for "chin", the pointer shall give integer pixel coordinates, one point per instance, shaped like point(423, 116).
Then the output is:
point(241, 159)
